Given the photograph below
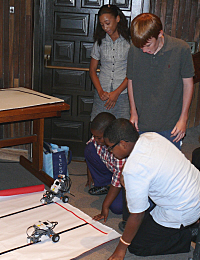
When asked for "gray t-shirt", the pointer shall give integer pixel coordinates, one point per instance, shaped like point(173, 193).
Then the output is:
point(157, 83)
point(113, 59)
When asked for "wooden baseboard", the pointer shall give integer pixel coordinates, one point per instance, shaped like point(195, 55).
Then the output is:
point(12, 154)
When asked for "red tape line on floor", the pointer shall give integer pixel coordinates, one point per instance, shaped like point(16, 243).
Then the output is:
point(81, 218)
point(22, 190)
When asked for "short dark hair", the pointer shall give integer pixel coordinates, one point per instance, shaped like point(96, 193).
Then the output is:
point(144, 27)
point(101, 121)
point(122, 26)
point(121, 129)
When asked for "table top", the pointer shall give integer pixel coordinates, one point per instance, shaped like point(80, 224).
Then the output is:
point(12, 98)
point(18, 104)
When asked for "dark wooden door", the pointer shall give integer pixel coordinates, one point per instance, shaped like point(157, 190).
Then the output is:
point(66, 27)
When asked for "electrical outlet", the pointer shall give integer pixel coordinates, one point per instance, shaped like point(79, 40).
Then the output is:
point(192, 46)
point(12, 9)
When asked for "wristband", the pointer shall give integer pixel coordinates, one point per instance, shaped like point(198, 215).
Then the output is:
point(124, 242)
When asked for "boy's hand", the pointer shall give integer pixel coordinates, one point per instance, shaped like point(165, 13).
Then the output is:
point(103, 215)
point(134, 120)
point(119, 253)
point(98, 217)
point(179, 130)
point(122, 180)
point(89, 183)
point(89, 179)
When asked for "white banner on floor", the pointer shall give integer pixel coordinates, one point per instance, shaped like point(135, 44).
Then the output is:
point(78, 232)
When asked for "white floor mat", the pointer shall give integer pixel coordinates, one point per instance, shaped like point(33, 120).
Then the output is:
point(78, 232)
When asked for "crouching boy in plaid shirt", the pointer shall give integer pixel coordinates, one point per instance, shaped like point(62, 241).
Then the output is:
point(103, 168)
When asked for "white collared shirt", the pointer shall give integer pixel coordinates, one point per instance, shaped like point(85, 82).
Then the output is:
point(156, 168)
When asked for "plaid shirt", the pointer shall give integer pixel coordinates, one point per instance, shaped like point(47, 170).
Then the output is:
point(113, 164)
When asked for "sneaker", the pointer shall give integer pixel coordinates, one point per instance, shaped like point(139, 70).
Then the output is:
point(99, 190)
point(122, 225)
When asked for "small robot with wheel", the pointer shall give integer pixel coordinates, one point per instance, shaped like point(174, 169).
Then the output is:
point(58, 189)
point(42, 228)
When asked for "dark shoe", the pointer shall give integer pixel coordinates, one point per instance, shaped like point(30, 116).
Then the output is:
point(99, 190)
point(194, 230)
point(194, 234)
point(122, 225)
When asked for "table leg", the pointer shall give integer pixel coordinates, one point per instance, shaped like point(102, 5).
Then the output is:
point(41, 175)
point(37, 148)
point(35, 167)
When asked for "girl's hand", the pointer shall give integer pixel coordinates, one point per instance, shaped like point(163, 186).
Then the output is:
point(113, 96)
point(103, 95)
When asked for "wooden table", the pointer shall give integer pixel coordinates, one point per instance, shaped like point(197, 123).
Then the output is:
point(41, 106)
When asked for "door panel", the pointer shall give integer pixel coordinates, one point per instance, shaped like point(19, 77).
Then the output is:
point(68, 29)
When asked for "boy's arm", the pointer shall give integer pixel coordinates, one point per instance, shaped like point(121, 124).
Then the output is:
point(110, 197)
point(133, 111)
point(89, 179)
point(180, 127)
point(133, 223)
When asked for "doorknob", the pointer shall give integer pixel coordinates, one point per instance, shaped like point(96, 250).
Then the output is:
point(47, 54)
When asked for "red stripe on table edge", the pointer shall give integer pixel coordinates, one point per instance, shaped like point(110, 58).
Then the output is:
point(81, 219)
point(22, 190)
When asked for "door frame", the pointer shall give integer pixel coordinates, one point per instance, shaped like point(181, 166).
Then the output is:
point(38, 43)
